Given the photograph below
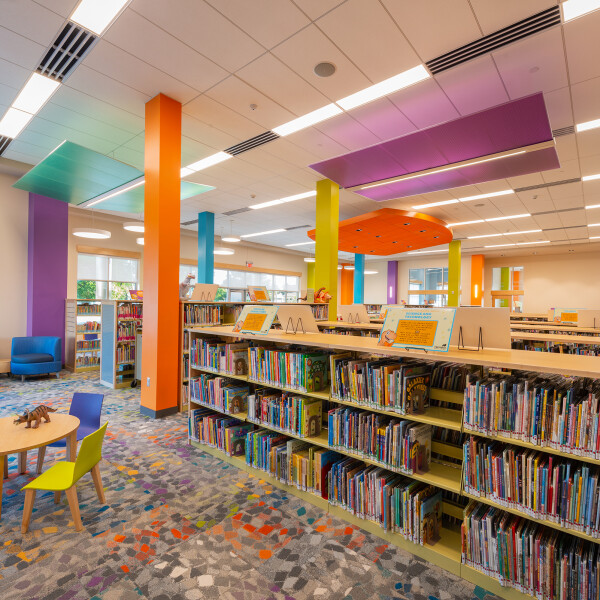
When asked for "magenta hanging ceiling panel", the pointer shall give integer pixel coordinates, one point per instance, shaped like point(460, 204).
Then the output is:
point(516, 124)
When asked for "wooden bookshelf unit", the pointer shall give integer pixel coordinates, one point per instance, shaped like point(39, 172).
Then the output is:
point(83, 335)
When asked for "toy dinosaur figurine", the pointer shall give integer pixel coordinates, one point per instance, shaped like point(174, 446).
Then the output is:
point(37, 414)
point(185, 285)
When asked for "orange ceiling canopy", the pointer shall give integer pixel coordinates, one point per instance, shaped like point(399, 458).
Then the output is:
point(390, 231)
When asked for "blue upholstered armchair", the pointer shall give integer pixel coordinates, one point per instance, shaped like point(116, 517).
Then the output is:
point(35, 355)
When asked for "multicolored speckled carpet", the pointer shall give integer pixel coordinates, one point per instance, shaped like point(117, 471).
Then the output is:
point(183, 525)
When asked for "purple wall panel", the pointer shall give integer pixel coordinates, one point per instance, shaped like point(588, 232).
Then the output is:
point(47, 261)
point(392, 282)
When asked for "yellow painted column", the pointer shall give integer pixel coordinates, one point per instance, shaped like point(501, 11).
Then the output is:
point(454, 273)
point(326, 247)
point(160, 339)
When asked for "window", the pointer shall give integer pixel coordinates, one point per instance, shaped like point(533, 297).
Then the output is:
point(428, 279)
point(106, 277)
point(233, 284)
point(510, 279)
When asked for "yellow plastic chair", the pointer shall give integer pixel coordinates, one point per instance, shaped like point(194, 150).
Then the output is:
point(63, 476)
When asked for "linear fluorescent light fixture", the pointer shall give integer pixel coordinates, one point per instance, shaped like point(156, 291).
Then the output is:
point(587, 125)
point(35, 93)
point(491, 195)
point(370, 272)
point(432, 204)
point(112, 193)
point(426, 251)
point(521, 232)
point(184, 172)
point(508, 217)
point(530, 243)
point(594, 237)
point(592, 206)
point(300, 244)
point(284, 200)
point(97, 15)
point(312, 118)
point(489, 235)
point(385, 87)
point(309, 259)
point(465, 223)
point(209, 161)
point(13, 122)
point(590, 177)
point(499, 245)
point(577, 8)
point(594, 225)
point(249, 235)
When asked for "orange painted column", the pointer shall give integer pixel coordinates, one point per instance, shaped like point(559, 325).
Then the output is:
point(161, 257)
point(477, 262)
point(347, 285)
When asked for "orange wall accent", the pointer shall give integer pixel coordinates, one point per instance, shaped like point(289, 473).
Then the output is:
point(347, 285)
point(516, 280)
point(161, 256)
point(477, 263)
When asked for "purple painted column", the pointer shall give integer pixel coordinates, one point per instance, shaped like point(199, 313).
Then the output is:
point(47, 260)
point(392, 282)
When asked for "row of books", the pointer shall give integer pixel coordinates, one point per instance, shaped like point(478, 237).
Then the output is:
point(391, 384)
point(126, 353)
point(201, 314)
point(219, 392)
point(529, 557)
point(126, 331)
point(87, 360)
point(88, 344)
point(285, 411)
point(558, 348)
point(218, 431)
point(449, 376)
point(88, 326)
point(538, 412)
point(302, 371)
point(130, 310)
point(398, 445)
point(219, 356)
point(353, 332)
point(89, 309)
point(540, 485)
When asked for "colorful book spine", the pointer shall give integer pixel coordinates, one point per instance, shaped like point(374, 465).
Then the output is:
point(201, 314)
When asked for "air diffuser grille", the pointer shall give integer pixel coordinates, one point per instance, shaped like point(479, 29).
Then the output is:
point(4, 142)
point(255, 142)
point(545, 185)
point(563, 131)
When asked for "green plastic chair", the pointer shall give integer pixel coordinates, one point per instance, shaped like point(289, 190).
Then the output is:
point(63, 476)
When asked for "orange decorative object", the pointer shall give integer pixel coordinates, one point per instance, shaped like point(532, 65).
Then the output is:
point(322, 296)
point(390, 231)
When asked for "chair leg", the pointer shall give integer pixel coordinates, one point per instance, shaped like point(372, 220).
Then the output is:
point(74, 506)
point(6, 467)
point(56, 497)
point(98, 482)
point(22, 378)
point(27, 509)
point(40, 460)
point(23, 462)
point(57, 375)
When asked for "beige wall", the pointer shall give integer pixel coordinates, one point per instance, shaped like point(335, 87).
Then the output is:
point(566, 280)
point(14, 212)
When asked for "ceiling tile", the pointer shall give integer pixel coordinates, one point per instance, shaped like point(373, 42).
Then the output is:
point(204, 29)
point(549, 221)
point(525, 180)
point(567, 191)
point(64, 8)
point(348, 132)
point(491, 19)
point(150, 43)
point(384, 119)
point(269, 75)
point(569, 169)
point(556, 235)
point(473, 86)
point(558, 106)
point(41, 25)
point(269, 24)
point(578, 33)
point(577, 232)
point(238, 95)
point(585, 100)
point(588, 142)
point(317, 143)
point(454, 25)
point(566, 147)
point(19, 50)
point(535, 64)
point(311, 46)
point(355, 22)
point(206, 134)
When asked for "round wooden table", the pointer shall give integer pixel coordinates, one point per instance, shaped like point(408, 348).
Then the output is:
point(16, 439)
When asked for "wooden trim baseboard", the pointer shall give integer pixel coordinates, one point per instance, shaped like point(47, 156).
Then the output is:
point(108, 252)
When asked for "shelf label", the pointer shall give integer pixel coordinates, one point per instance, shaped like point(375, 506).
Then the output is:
point(427, 328)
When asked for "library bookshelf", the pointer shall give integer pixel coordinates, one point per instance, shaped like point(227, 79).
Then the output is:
point(121, 319)
point(447, 551)
point(83, 335)
point(208, 314)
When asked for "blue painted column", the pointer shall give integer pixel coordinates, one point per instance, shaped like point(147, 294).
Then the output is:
point(206, 247)
point(359, 278)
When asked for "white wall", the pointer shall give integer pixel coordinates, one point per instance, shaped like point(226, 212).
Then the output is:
point(375, 285)
point(14, 213)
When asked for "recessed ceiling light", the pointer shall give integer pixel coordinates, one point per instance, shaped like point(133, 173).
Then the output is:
point(97, 16)
point(13, 122)
point(112, 193)
point(508, 217)
point(422, 231)
point(576, 8)
point(230, 239)
point(300, 244)
point(499, 245)
point(209, 161)
point(223, 250)
point(134, 226)
point(587, 125)
point(324, 69)
point(590, 177)
point(482, 196)
point(89, 232)
point(465, 223)
point(312, 118)
point(519, 232)
point(593, 224)
point(435, 237)
point(284, 200)
point(385, 87)
point(432, 204)
point(594, 237)
point(268, 232)
point(476, 237)
point(406, 224)
point(529, 243)
point(359, 230)
point(139, 241)
point(349, 267)
point(370, 272)
point(309, 259)
point(35, 93)
point(592, 206)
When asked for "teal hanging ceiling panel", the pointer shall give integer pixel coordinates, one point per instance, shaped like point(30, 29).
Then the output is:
point(74, 174)
point(132, 201)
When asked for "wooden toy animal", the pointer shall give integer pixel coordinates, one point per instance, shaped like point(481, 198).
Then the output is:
point(37, 414)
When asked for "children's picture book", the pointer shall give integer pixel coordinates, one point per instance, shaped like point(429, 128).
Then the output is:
point(420, 328)
point(236, 439)
point(136, 294)
point(315, 368)
point(255, 319)
point(416, 390)
point(431, 518)
point(258, 293)
point(420, 448)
